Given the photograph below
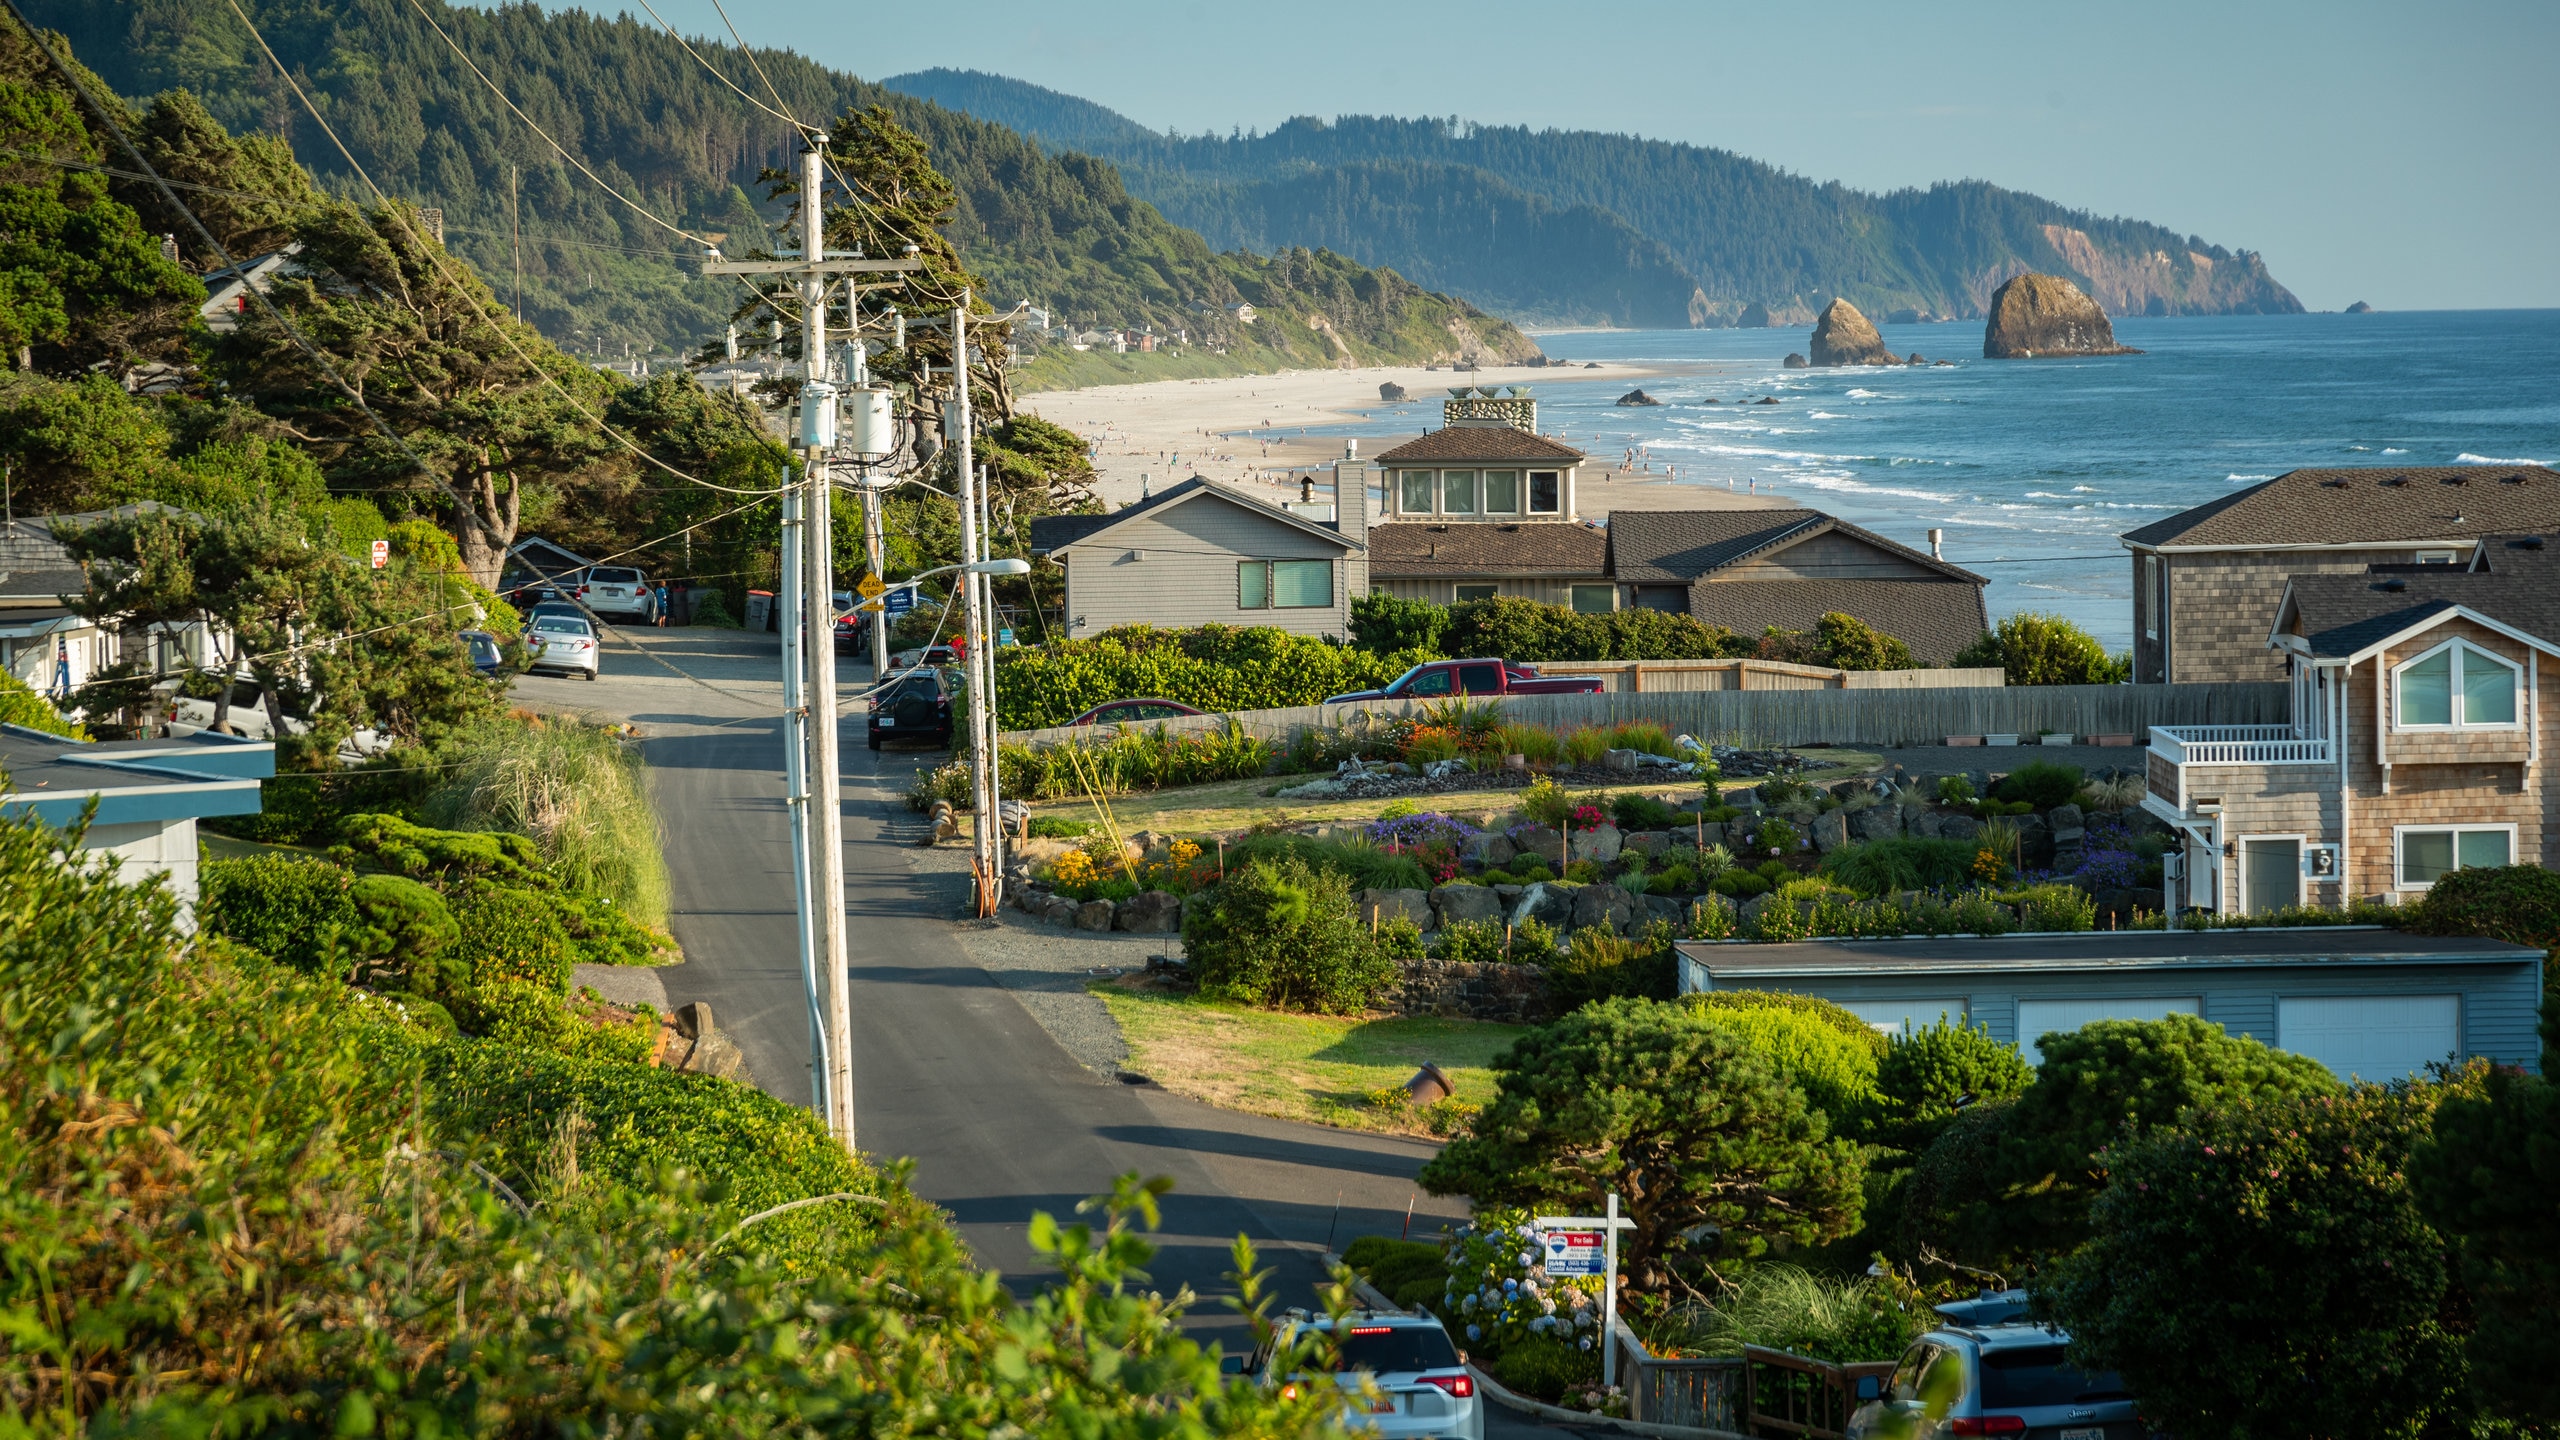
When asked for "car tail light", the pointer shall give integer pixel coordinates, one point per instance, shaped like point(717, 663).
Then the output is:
point(1462, 1384)
point(1988, 1425)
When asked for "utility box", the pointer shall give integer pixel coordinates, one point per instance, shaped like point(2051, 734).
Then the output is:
point(818, 416)
point(871, 422)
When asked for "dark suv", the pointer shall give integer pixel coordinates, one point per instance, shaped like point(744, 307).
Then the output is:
point(915, 707)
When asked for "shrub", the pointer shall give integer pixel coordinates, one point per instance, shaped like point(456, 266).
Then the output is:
point(1597, 964)
point(2519, 904)
point(2042, 784)
point(1643, 812)
point(21, 705)
point(1471, 942)
point(1399, 1267)
point(1955, 790)
point(1217, 668)
point(401, 936)
point(1525, 630)
point(1643, 736)
point(1585, 745)
point(1585, 1099)
point(1398, 941)
point(1842, 1319)
point(1546, 1367)
point(508, 935)
point(2033, 649)
point(1925, 1077)
point(1740, 884)
point(1908, 862)
point(2055, 907)
point(1534, 744)
point(1386, 624)
point(1532, 943)
point(1828, 1052)
point(1849, 643)
point(579, 792)
point(1281, 933)
point(1775, 838)
point(290, 908)
point(445, 857)
point(1496, 1292)
point(2485, 1176)
point(711, 608)
point(1546, 803)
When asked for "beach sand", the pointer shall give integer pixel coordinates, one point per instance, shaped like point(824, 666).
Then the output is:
point(1218, 429)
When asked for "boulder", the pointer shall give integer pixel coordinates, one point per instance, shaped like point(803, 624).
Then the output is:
point(1060, 910)
point(1665, 907)
point(2035, 840)
point(1646, 842)
point(2034, 315)
point(1917, 359)
point(2066, 817)
point(1830, 831)
point(1956, 825)
point(1549, 905)
point(1538, 840)
point(1094, 915)
point(1766, 400)
point(1844, 337)
point(703, 1049)
point(1492, 848)
point(1637, 397)
point(1603, 905)
point(1795, 361)
point(1876, 822)
point(1389, 390)
point(1625, 760)
point(1929, 825)
point(1150, 912)
point(1600, 844)
point(1385, 905)
point(1711, 833)
point(1455, 904)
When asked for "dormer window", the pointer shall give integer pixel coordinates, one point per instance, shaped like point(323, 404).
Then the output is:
point(2438, 557)
point(2457, 686)
point(1416, 488)
point(1546, 492)
point(1457, 492)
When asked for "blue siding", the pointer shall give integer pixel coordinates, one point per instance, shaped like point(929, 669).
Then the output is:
point(2243, 1012)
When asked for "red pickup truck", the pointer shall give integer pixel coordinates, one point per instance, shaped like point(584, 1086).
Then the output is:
point(1441, 678)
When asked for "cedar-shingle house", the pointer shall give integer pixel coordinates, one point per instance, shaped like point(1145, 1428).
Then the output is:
point(1750, 569)
point(2420, 740)
point(2206, 581)
point(1200, 553)
point(1486, 506)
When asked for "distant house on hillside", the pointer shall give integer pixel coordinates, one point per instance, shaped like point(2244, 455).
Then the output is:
point(1200, 553)
point(2206, 581)
point(1751, 569)
point(226, 291)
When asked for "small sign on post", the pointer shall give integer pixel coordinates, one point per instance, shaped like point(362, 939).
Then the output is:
point(1588, 1245)
point(381, 553)
point(900, 600)
point(869, 586)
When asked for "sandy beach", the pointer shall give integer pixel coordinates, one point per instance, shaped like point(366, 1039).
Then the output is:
point(1248, 431)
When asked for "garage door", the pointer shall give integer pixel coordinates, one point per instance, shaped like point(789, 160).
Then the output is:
point(1901, 1017)
point(2376, 1037)
point(2037, 1018)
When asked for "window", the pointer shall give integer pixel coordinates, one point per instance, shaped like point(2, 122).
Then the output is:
point(1416, 499)
point(1502, 492)
point(2436, 557)
point(1546, 493)
point(2457, 686)
point(1301, 584)
point(1253, 585)
point(1594, 599)
point(2428, 855)
point(2151, 597)
point(1457, 492)
point(1477, 592)
point(1480, 679)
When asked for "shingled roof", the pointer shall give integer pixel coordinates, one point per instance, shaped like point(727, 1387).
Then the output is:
point(1678, 546)
point(1936, 618)
point(2366, 505)
point(1051, 533)
point(1479, 442)
point(2342, 615)
point(1411, 551)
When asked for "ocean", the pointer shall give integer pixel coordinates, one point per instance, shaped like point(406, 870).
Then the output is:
point(2033, 467)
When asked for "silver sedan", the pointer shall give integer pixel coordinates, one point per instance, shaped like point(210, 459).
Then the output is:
point(565, 643)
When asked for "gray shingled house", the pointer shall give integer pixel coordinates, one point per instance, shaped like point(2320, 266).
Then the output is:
point(1750, 569)
point(1201, 553)
point(2206, 581)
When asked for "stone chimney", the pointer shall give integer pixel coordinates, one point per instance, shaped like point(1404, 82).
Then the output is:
point(1488, 405)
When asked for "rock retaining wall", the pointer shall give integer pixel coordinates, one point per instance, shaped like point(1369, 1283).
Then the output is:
point(1512, 994)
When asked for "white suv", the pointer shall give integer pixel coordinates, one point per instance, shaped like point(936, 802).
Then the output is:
point(1423, 1389)
point(1989, 1373)
point(620, 591)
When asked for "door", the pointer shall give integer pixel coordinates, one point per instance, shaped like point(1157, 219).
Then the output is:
point(2373, 1037)
point(1480, 679)
point(2038, 1018)
point(2270, 874)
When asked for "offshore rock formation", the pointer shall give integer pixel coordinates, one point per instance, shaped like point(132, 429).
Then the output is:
point(1390, 390)
point(2034, 315)
point(1637, 397)
point(1843, 336)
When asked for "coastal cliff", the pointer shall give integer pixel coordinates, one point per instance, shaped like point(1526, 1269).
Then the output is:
point(2034, 315)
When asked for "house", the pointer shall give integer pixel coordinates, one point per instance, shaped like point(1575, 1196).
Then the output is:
point(2420, 738)
point(226, 291)
point(1747, 570)
point(2363, 1001)
point(1243, 313)
point(534, 560)
point(2206, 581)
point(149, 793)
point(56, 650)
point(1200, 553)
point(1485, 506)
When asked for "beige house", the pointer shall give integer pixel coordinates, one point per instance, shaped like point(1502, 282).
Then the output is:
point(2206, 581)
point(1486, 506)
point(2420, 742)
point(1201, 553)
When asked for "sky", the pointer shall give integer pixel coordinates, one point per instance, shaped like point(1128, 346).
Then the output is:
point(2400, 154)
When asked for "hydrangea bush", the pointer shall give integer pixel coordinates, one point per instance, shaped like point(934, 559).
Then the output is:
point(1499, 1293)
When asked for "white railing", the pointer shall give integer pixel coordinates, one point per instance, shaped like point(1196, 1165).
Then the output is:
point(2238, 745)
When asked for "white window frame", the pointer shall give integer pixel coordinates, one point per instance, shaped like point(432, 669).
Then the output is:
point(2399, 840)
point(2438, 557)
point(2460, 648)
point(1431, 482)
point(2240, 862)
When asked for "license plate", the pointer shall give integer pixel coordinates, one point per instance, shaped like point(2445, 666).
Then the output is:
point(886, 723)
point(1382, 1407)
point(2085, 1432)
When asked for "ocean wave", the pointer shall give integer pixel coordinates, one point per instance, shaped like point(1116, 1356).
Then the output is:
point(2467, 458)
point(1763, 452)
point(1851, 485)
point(2360, 447)
point(2390, 450)
point(2084, 489)
point(1866, 395)
point(2236, 479)
point(1825, 415)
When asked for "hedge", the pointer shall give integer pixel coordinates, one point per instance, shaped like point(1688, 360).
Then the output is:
point(1213, 667)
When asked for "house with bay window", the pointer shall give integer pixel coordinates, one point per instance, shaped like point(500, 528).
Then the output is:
point(1486, 506)
point(1201, 553)
point(2419, 742)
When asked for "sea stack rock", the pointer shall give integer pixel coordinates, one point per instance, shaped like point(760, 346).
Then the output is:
point(1637, 397)
point(1844, 337)
point(1795, 361)
point(2034, 315)
point(1390, 390)
point(2359, 308)
point(1755, 316)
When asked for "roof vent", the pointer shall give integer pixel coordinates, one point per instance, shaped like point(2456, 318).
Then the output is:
point(2333, 484)
point(2530, 542)
point(2395, 586)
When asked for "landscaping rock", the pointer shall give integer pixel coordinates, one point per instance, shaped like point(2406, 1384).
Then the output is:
point(1752, 907)
point(1599, 844)
point(1627, 760)
point(1150, 912)
point(1646, 842)
point(1060, 910)
point(2068, 838)
point(1492, 848)
point(1603, 905)
point(1549, 905)
point(701, 1047)
point(1542, 842)
point(1508, 896)
point(1712, 833)
point(1876, 822)
point(2066, 817)
point(1929, 825)
point(1094, 915)
point(1385, 905)
point(1956, 825)
point(1830, 831)
point(1665, 907)
point(1460, 904)
point(1312, 790)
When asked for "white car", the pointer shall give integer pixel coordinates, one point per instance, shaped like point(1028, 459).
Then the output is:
point(1423, 1390)
point(565, 643)
point(621, 592)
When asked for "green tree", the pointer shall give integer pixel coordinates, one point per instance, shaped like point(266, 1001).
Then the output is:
point(248, 189)
point(75, 445)
point(1710, 1152)
point(2034, 649)
point(1928, 1076)
point(2265, 1271)
point(2486, 1177)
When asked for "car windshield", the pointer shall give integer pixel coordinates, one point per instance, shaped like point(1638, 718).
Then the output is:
point(613, 577)
point(2035, 1376)
point(484, 650)
point(561, 625)
point(1397, 1349)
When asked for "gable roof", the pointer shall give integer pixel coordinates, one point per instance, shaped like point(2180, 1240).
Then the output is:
point(1051, 533)
point(2346, 615)
point(1413, 550)
point(1479, 442)
point(2367, 505)
point(1679, 546)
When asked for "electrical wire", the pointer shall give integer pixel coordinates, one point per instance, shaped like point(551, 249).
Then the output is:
point(678, 37)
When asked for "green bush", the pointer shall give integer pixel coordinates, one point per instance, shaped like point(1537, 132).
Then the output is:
point(1281, 933)
point(2485, 1177)
point(2033, 649)
point(511, 935)
point(403, 936)
point(1544, 1367)
point(1399, 1268)
point(1849, 643)
point(1828, 1052)
point(1512, 628)
point(2042, 784)
point(2519, 904)
point(1471, 942)
point(1363, 865)
point(21, 705)
point(1115, 761)
point(1384, 624)
point(1215, 667)
point(579, 792)
point(1925, 1077)
point(1596, 965)
point(444, 857)
point(1741, 884)
point(1643, 812)
point(1907, 862)
point(1846, 1320)
point(290, 908)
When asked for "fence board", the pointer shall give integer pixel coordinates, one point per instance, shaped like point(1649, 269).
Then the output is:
point(1760, 718)
point(1680, 676)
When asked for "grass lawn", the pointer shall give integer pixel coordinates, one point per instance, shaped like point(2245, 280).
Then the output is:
point(1298, 1067)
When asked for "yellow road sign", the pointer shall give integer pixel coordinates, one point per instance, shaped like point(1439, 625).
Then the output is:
point(870, 586)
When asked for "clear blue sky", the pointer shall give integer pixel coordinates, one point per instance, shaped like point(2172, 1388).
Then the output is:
point(2402, 153)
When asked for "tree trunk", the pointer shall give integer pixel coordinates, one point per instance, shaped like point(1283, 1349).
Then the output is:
point(483, 531)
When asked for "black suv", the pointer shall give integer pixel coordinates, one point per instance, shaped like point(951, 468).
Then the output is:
point(915, 707)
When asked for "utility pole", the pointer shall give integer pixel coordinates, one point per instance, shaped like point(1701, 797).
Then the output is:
point(515, 238)
point(795, 787)
point(984, 855)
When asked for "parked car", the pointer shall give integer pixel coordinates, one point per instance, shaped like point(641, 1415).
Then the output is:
point(929, 655)
point(916, 706)
point(1423, 1387)
point(618, 590)
point(566, 643)
point(570, 608)
point(1988, 1372)
point(537, 590)
point(1441, 678)
point(1132, 712)
point(488, 656)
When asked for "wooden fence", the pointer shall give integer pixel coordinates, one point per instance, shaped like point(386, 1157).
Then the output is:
point(1680, 676)
point(1761, 718)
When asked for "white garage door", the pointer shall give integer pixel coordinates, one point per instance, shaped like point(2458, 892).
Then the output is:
point(2038, 1018)
point(2373, 1037)
point(1901, 1017)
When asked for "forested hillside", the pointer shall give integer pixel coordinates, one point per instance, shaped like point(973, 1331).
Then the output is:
point(1744, 233)
point(657, 124)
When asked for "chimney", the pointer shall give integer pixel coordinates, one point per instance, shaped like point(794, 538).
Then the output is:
point(1937, 544)
point(1351, 518)
point(432, 217)
point(1306, 489)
